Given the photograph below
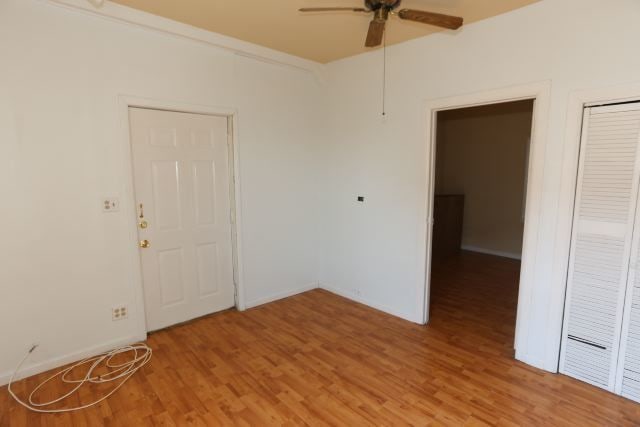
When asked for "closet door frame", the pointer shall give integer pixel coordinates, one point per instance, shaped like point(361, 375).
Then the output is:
point(578, 101)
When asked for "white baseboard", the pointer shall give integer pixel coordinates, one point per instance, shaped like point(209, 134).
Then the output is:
point(57, 362)
point(369, 303)
point(281, 295)
point(503, 254)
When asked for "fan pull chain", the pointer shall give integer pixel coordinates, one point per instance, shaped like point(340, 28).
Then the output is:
point(384, 73)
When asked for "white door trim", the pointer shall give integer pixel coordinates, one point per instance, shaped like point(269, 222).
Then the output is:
point(541, 93)
point(128, 208)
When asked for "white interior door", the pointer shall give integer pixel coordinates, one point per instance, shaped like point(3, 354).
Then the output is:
point(182, 187)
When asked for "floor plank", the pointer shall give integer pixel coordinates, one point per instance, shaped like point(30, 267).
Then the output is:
point(318, 359)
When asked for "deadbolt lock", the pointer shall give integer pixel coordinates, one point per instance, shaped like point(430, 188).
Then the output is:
point(143, 224)
point(144, 244)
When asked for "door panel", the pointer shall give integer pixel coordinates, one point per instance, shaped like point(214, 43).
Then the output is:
point(628, 375)
point(166, 194)
point(171, 274)
point(606, 198)
point(208, 269)
point(204, 184)
point(182, 186)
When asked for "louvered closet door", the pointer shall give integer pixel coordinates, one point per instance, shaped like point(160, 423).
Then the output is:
point(601, 244)
point(628, 377)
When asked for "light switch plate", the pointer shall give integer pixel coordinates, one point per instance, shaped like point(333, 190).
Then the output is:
point(110, 204)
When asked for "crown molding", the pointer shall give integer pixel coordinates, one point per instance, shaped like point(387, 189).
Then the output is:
point(120, 13)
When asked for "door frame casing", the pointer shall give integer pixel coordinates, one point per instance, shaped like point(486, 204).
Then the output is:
point(539, 92)
point(125, 103)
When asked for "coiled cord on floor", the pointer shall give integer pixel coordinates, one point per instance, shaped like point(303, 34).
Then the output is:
point(117, 371)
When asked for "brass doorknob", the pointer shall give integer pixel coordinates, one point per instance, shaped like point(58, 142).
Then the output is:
point(144, 244)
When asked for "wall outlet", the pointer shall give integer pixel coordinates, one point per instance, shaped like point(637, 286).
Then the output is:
point(119, 313)
point(110, 204)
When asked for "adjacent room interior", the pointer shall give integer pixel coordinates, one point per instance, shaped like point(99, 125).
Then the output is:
point(314, 212)
point(482, 156)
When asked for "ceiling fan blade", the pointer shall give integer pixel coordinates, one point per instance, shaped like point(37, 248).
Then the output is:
point(375, 34)
point(437, 19)
point(333, 9)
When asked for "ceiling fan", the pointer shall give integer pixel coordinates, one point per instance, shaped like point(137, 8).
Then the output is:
point(383, 8)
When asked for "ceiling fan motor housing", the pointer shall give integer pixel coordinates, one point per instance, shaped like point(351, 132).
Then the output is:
point(379, 4)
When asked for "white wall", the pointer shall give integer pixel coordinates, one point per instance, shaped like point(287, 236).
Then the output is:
point(372, 251)
point(306, 153)
point(482, 154)
point(64, 262)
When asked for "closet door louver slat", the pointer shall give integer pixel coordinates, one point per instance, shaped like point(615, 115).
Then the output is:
point(601, 245)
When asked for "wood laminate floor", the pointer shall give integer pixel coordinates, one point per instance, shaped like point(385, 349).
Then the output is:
point(319, 359)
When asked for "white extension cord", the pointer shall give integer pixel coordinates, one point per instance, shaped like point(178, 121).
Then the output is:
point(141, 356)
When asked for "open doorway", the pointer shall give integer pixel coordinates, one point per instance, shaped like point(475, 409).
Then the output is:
point(480, 189)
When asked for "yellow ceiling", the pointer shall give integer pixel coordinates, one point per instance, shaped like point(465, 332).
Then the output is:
point(322, 37)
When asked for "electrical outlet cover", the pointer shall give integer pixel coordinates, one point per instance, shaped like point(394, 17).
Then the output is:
point(110, 204)
point(119, 313)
